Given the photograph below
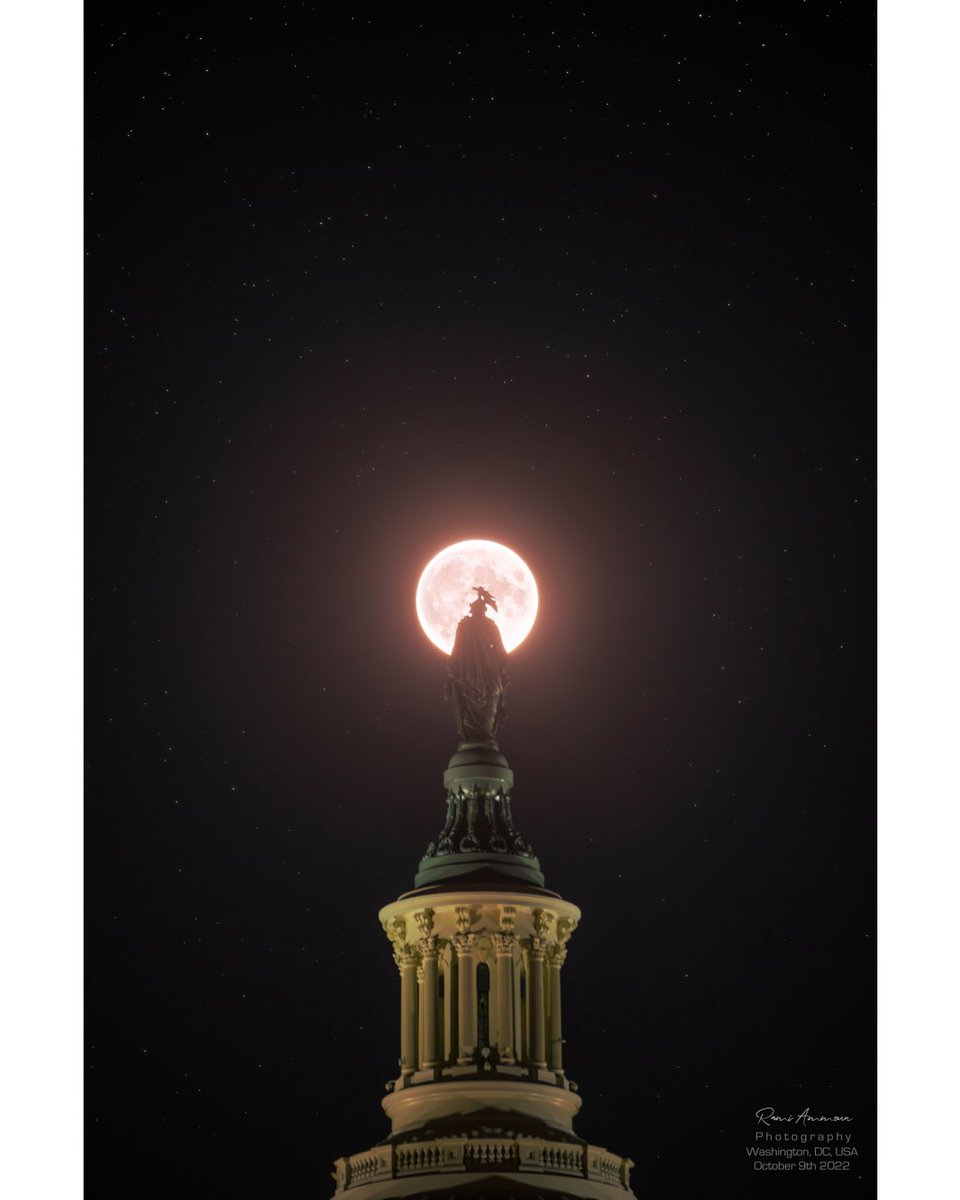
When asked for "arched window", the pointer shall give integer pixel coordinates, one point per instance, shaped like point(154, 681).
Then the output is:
point(483, 1006)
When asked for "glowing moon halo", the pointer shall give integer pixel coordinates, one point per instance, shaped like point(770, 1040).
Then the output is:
point(446, 588)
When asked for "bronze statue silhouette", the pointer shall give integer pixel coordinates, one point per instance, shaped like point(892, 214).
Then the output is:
point(478, 675)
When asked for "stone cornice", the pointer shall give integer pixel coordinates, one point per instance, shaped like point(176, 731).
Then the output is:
point(485, 912)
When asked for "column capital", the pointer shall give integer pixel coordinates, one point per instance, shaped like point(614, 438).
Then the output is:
point(396, 931)
point(465, 943)
point(429, 946)
point(503, 943)
point(557, 956)
point(406, 956)
point(537, 947)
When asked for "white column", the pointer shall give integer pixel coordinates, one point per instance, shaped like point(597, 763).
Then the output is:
point(428, 1000)
point(420, 1014)
point(466, 945)
point(449, 1009)
point(555, 1029)
point(520, 973)
point(536, 950)
point(408, 1008)
point(503, 1036)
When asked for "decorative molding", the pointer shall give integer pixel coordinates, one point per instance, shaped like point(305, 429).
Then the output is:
point(478, 821)
point(396, 929)
point(542, 920)
point(424, 922)
point(565, 928)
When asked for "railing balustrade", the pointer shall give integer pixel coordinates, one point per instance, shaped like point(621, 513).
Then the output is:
point(471, 1154)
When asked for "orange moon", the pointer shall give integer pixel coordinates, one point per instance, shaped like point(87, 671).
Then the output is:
point(445, 591)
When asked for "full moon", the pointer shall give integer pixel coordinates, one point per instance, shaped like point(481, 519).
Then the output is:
point(445, 591)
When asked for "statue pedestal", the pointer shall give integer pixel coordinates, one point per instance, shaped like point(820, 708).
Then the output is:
point(478, 835)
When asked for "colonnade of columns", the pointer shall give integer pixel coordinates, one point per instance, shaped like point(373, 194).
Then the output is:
point(440, 999)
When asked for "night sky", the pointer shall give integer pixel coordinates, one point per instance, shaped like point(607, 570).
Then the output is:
point(361, 285)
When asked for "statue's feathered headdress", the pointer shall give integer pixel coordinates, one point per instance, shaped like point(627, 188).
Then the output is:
point(485, 598)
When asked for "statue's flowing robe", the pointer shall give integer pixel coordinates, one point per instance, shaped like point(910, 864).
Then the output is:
point(477, 677)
